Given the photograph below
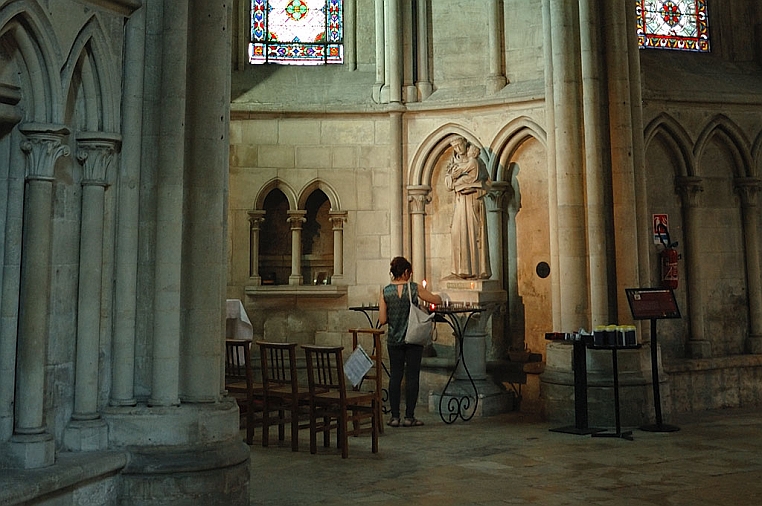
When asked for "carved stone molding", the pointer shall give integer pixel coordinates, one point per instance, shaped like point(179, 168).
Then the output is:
point(418, 197)
point(43, 147)
point(499, 195)
point(296, 218)
point(338, 218)
point(689, 188)
point(95, 152)
point(747, 189)
point(256, 217)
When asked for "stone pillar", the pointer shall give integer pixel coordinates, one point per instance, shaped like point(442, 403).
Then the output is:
point(425, 88)
point(689, 188)
point(570, 195)
point(170, 203)
point(296, 218)
point(747, 189)
point(495, 217)
point(496, 80)
point(393, 44)
point(87, 431)
point(350, 35)
point(30, 444)
point(127, 224)
point(256, 218)
point(596, 179)
point(337, 220)
point(395, 184)
point(379, 90)
point(418, 197)
point(621, 136)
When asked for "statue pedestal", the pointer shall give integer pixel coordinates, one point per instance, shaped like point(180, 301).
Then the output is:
point(469, 391)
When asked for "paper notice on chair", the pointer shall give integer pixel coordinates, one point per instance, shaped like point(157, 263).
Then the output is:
point(357, 365)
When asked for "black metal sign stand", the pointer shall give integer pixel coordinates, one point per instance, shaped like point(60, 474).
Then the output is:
point(654, 304)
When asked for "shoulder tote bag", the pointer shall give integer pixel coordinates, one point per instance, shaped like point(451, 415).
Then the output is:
point(420, 324)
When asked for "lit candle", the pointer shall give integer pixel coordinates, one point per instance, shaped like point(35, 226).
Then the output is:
point(423, 283)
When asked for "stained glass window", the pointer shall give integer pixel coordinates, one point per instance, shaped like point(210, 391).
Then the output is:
point(673, 24)
point(296, 32)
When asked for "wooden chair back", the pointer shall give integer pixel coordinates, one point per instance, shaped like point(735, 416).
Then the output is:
point(370, 340)
point(240, 384)
point(332, 405)
point(283, 397)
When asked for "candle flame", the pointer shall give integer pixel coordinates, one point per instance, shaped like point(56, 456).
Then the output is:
point(424, 283)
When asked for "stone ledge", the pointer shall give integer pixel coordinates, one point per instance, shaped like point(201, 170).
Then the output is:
point(70, 469)
point(708, 364)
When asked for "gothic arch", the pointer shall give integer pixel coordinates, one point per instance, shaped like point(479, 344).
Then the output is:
point(90, 57)
point(756, 153)
point(508, 140)
point(429, 151)
point(733, 136)
point(259, 201)
point(26, 29)
point(317, 184)
point(666, 128)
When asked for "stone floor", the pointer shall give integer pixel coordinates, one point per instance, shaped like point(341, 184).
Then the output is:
point(714, 459)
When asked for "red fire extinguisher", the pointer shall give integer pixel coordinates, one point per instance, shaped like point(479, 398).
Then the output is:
point(669, 257)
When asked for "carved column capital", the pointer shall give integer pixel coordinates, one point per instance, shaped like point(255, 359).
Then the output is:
point(418, 197)
point(256, 217)
point(689, 188)
point(43, 147)
point(296, 218)
point(747, 189)
point(499, 193)
point(338, 218)
point(95, 152)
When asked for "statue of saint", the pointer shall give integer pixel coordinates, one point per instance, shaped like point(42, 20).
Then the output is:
point(468, 178)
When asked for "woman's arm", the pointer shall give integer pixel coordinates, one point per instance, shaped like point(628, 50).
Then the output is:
point(381, 309)
point(426, 295)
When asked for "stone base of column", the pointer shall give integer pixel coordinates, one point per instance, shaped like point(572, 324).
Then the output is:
point(295, 280)
point(496, 83)
point(28, 451)
point(86, 435)
point(489, 399)
point(699, 349)
point(425, 89)
point(411, 94)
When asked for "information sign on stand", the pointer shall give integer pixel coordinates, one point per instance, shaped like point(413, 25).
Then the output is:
point(654, 304)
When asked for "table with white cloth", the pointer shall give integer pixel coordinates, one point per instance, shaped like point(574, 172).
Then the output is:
point(237, 325)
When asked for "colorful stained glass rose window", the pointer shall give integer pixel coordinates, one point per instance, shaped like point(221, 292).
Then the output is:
point(673, 24)
point(296, 32)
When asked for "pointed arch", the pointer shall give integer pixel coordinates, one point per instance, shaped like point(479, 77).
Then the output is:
point(90, 55)
point(508, 140)
point(666, 128)
point(317, 184)
point(724, 127)
point(756, 153)
point(259, 201)
point(428, 152)
point(26, 28)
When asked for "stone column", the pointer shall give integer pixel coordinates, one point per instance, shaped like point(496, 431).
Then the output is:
point(747, 189)
point(256, 218)
point(596, 179)
point(495, 225)
point(30, 444)
point(395, 184)
point(418, 197)
point(570, 196)
point(127, 224)
point(379, 90)
point(393, 44)
point(87, 431)
point(496, 80)
point(425, 88)
point(296, 218)
point(350, 35)
point(338, 218)
point(689, 188)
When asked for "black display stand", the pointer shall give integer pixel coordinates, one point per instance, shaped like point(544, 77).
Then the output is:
point(579, 367)
point(654, 304)
point(615, 372)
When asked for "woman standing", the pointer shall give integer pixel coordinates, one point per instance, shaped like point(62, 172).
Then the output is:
point(404, 359)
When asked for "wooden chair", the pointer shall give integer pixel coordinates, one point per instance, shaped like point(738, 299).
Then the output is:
point(240, 384)
point(332, 405)
point(376, 374)
point(282, 395)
